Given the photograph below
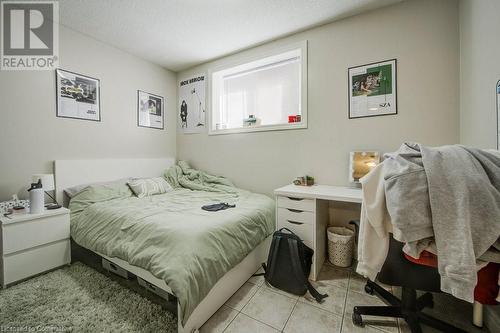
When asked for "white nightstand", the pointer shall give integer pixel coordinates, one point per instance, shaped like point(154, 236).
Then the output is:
point(33, 243)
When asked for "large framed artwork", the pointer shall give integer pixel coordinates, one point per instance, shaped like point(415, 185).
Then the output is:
point(373, 89)
point(191, 107)
point(150, 110)
point(78, 96)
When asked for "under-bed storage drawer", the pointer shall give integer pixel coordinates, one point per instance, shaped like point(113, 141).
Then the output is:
point(303, 230)
point(154, 289)
point(114, 268)
point(296, 203)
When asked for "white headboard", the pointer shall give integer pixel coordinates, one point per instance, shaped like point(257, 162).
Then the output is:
point(70, 173)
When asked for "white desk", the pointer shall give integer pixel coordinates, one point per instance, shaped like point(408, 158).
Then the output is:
point(323, 192)
point(304, 210)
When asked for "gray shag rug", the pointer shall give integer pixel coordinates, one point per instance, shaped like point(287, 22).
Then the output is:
point(79, 299)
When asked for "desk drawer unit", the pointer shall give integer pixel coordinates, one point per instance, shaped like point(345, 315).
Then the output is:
point(305, 211)
point(296, 203)
point(299, 216)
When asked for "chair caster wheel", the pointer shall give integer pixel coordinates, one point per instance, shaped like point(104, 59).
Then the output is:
point(357, 320)
point(369, 289)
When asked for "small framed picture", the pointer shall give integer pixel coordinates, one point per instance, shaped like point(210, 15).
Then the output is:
point(78, 96)
point(149, 110)
point(373, 89)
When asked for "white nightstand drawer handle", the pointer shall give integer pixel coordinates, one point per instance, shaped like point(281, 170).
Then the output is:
point(295, 199)
point(293, 222)
point(295, 210)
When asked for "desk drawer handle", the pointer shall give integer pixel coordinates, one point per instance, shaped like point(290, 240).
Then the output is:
point(295, 199)
point(293, 222)
point(295, 210)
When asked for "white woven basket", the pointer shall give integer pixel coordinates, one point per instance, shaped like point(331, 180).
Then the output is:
point(340, 246)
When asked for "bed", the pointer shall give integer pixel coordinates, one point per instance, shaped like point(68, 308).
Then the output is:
point(167, 240)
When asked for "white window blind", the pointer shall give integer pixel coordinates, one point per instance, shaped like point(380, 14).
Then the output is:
point(263, 94)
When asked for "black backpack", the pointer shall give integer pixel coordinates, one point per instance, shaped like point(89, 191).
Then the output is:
point(289, 264)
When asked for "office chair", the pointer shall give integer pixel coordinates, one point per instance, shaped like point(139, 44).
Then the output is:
point(398, 271)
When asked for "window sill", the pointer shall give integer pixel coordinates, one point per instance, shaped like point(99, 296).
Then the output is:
point(283, 127)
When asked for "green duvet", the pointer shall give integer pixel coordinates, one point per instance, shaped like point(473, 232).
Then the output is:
point(170, 235)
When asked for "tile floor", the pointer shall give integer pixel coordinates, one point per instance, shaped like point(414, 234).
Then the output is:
point(258, 307)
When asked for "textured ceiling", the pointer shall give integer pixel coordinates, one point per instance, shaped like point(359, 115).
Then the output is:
point(178, 34)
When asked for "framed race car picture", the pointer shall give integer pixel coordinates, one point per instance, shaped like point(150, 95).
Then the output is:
point(149, 110)
point(78, 96)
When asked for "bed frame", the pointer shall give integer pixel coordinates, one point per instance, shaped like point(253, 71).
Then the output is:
point(70, 173)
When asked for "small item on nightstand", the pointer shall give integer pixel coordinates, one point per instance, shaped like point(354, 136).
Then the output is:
point(18, 210)
point(51, 206)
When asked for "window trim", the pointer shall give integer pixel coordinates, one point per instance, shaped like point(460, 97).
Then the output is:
point(302, 46)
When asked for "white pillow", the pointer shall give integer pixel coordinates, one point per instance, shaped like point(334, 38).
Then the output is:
point(143, 187)
point(72, 191)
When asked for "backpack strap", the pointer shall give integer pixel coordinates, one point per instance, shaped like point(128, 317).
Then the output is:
point(299, 273)
point(271, 261)
point(290, 231)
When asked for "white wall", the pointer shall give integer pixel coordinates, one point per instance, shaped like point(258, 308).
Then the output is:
point(479, 71)
point(422, 35)
point(31, 136)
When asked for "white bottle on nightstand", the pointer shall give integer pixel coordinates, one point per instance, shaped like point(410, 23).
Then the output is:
point(37, 203)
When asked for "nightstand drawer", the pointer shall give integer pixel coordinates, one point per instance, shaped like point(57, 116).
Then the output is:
point(27, 234)
point(296, 203)
point(296, 215)
point(40, 259)
point(303, 230)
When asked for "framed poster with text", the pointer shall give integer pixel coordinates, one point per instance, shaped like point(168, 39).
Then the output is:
point(78, 96)
point(191, 105)
point(373, 89)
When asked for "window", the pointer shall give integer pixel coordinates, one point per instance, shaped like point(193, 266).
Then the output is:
point(266, 93)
